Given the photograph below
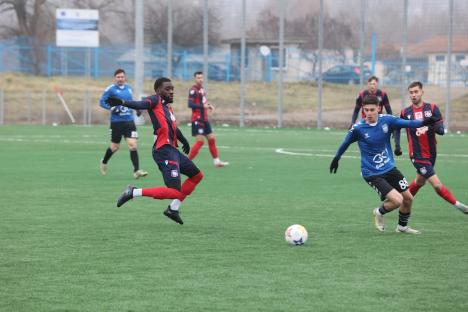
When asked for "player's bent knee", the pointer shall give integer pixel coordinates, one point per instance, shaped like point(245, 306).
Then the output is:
point(197, 178)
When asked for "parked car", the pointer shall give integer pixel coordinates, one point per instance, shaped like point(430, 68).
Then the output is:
point(348, 74)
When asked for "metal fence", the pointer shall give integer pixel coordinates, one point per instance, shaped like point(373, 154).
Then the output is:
point(388, 43)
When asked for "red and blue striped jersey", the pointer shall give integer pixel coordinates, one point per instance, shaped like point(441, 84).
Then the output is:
point(163, 120)
point(422, 143)
point(196, 100)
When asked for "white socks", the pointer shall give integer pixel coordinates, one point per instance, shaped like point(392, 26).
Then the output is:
point(175, 204)
point(137, 192)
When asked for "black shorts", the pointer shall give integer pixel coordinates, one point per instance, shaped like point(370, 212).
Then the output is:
point(424, 167)
point(388, 181)
point(172, 163)
point(127, 129)
point(201, 128)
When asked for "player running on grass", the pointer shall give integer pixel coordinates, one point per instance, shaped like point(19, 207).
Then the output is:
point(377, 164)
point(121, 124)
point(201, 127)
point(422, 145)
point(170, 161)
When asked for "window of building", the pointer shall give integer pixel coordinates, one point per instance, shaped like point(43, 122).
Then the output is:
point(275, 58)
point(440, 58)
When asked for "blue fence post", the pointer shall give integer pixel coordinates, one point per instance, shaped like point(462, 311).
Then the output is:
point(96, 63)
point(184, 66)
point(374, 50)
point(1, 57)
point(49, 60)
point(228, 67)
point(270, 64)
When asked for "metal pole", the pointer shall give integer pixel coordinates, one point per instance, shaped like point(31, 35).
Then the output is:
point(361, 41)
point(404, 44)
point(205, 44)
point(242, 67)
point(29, 110)
point(169, 38)
point(449, 67)
point(320, 81)
point(280, 63)
point(2, 108)
point(85, 107)
point(139, 57)
point(44, 107)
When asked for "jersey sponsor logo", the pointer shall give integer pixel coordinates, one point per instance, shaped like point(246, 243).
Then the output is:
point(380, 159)
point(422, 130)
point(427, 114)
point(418, 115)
point(385, 128)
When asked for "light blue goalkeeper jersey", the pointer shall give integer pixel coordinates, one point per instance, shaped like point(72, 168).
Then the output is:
point(121, 113)
point(374, 143)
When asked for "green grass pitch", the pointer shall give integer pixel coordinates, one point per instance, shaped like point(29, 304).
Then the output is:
point(64, 246)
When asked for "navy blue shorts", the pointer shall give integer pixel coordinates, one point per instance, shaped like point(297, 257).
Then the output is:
point(201, 128)
point(384, 183)
point(172, 163)
point(424, 167)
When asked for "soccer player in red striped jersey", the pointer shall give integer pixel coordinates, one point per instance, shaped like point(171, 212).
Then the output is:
point(422, 145)
point(373, 89)
point(201, 127)
point(170, 161)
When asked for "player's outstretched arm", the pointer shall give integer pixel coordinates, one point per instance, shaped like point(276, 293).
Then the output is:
point(114, 101)
point(183, 140)
point(350, 138)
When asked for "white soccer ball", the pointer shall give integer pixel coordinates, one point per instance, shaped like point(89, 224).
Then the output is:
point(296, 235)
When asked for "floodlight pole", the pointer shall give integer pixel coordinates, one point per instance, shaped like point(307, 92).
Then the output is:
point(320, 80)
point(280, 63)
point(169, 39)
point(242, 68)
point(205, 44)
point(449, 67)
point(139, 57)
point(404, 44)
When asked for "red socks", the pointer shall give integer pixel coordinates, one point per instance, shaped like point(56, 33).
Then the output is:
point(195, 149)
point(213, 149)
point(162, 192)
point(442, 191)
point(445, 194)
point(414, 188)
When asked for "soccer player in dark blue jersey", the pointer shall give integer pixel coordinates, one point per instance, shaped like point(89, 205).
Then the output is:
point(422, 145)
point(372, 89)
point(377, 163)
point(170, 161)
point(121, 123)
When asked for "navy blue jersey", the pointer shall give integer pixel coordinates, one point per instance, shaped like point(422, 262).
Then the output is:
point(422, 141)
point(374, 143)
point(121, 113)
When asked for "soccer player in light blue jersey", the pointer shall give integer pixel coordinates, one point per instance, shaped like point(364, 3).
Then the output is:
point(377, 164)
point(121, 123)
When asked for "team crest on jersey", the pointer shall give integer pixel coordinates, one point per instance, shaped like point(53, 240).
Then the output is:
point(418, 115)
point(385, 128)
point(427, 114)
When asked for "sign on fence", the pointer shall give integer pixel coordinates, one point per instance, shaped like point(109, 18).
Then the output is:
point(77, 28)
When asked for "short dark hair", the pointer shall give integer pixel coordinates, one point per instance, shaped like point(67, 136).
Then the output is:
point(415, 84)
point(197, 73)
point(373, 78)
point(159, 82)
point(370, 99)
point(119, 71)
